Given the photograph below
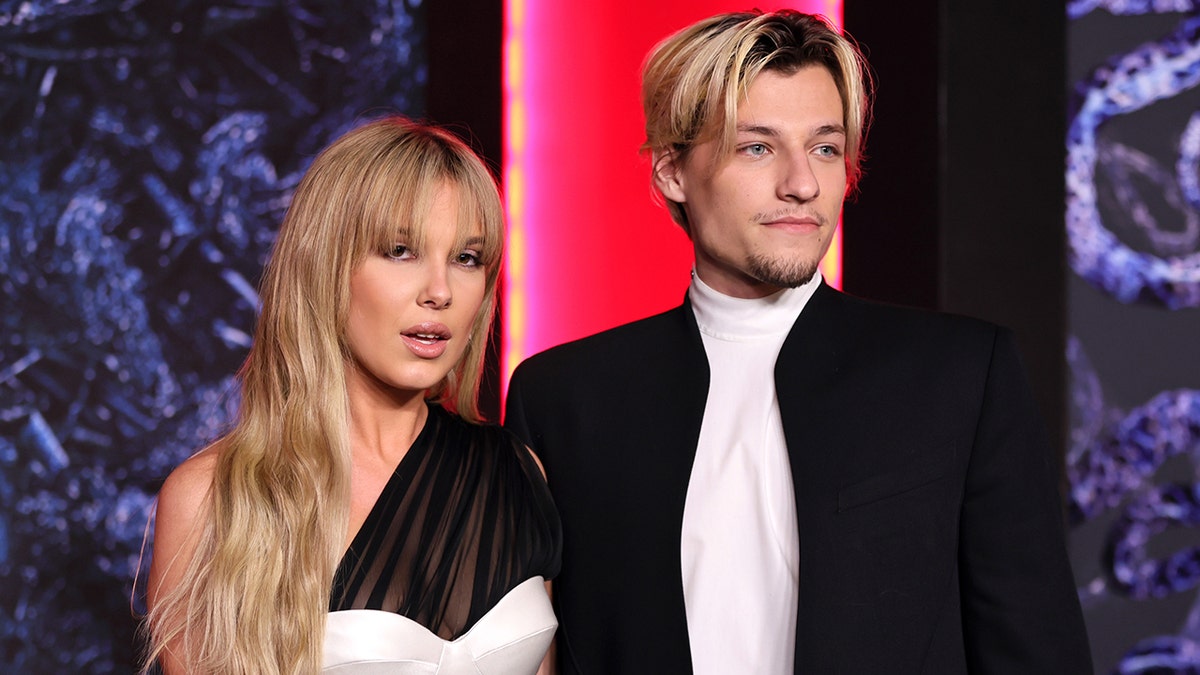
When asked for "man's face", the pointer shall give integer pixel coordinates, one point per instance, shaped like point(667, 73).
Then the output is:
point(762, 217)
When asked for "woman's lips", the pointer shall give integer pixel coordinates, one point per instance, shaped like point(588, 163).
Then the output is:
point(427, 340)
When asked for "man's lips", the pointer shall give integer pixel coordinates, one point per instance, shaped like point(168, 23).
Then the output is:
point(801, 221)
point(797, 224)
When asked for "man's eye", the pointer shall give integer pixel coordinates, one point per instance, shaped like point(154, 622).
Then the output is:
point(755, 149)
point(399, 252)
point(829, 151)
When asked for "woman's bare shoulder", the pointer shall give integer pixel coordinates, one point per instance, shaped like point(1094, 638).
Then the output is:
point(183, 502)
point(184, 491)
point(179, 518)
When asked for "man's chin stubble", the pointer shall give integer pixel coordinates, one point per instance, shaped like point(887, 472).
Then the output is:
point(781, 273)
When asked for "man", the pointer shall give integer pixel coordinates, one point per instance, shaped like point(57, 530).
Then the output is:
point(776, 477)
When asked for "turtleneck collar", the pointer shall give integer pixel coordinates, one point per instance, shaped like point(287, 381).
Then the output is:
point(728, 318)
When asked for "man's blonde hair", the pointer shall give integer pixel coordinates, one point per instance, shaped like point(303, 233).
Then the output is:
point(693, 81)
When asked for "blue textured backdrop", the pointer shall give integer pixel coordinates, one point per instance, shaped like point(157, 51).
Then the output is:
point(1133, 234)
point(147, 153)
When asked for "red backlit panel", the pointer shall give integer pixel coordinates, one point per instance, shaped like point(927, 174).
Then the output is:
point(589, 247)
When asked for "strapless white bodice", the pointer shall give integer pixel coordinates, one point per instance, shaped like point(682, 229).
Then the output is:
point(510, 639)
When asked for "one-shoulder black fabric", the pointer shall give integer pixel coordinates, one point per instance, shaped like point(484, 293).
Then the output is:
point(465, 518)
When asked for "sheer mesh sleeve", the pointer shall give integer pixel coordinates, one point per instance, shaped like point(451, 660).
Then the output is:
point(465, 518)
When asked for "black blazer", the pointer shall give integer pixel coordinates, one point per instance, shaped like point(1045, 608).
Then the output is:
point(931, 539)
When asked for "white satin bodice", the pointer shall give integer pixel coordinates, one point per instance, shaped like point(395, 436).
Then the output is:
point(510, 639)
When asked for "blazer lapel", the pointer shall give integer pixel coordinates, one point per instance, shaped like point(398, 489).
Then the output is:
point(685, 378)
point(809, 382)
point(808, 367)
point(807, 371)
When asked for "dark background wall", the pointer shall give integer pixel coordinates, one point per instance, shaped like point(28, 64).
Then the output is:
point(961, 206)
point(963, 210)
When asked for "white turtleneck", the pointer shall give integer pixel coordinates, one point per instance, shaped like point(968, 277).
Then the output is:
point(740, 548)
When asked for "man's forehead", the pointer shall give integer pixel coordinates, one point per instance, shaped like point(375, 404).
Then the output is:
point(776, 100)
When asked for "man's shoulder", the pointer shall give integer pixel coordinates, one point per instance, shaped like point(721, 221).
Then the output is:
point(607, 349)
point(916, 322)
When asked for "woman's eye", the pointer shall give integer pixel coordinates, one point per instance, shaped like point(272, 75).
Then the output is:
point(399, 252)
point(468, 259)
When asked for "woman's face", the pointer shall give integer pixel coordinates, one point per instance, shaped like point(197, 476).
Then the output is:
point(411, 309)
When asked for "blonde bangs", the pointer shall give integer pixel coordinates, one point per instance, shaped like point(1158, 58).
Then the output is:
point(399, 194)
point(479, 203)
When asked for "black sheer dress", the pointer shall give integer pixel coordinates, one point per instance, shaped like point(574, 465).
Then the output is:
point(450, 559)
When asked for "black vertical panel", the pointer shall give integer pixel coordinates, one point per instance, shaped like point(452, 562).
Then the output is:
point(1002, 237)
point(465, 62)
point(890, 228)
point(465, 93)
point(961, 208)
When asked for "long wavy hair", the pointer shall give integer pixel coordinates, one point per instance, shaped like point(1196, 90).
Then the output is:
point(255, 595)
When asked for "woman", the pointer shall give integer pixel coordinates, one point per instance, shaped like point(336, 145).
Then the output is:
point(358, 518)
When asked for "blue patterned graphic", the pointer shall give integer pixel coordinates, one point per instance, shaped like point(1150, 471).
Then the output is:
point(1125, 455)
point(1162, 655)
point(1129, 83)
point(147, 153)
point(1078, 8)
point(1114, 458)
point(1133, 232)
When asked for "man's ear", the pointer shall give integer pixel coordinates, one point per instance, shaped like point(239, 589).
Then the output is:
point(668, 175)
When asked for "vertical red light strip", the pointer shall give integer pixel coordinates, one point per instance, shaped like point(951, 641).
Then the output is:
point(831, 265)
point(517, 278)
point(589, 248)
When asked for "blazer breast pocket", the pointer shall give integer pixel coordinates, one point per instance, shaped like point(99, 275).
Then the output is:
point(890, 485)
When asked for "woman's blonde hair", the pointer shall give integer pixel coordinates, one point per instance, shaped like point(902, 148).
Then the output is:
point(255, 595)
point(693, 81)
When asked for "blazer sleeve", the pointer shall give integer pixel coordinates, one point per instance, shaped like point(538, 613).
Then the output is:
point(1021, 611)
point(514, 410)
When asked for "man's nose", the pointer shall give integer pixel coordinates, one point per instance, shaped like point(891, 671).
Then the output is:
point(798, 182)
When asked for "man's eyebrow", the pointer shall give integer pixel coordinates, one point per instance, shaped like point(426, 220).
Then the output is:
point(758, 130)
point(772, 132)
point(829, 129)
